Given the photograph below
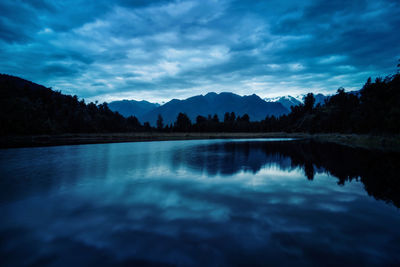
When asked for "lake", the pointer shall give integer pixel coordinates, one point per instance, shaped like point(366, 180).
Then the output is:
point(199, 203)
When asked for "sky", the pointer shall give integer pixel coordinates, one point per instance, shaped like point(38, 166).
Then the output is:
point(159, 50)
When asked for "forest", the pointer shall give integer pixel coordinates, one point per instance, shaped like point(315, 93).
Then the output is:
point(27, 108)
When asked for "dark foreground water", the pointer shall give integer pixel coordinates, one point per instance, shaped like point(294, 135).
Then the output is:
point(211, 202)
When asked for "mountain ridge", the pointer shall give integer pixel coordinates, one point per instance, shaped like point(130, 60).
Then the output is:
point(214, 103)
point(132, 107)
point(288, 101)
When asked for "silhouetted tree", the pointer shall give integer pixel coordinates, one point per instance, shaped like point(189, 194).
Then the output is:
point(160, 122)
point(201, 120)
point(215, 118)
point(147, 126)
point(309, 101)
point(183, 123)
point(245, 118)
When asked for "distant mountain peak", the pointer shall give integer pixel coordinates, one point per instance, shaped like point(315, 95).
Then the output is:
point(132, 107)
point(211, 94)
point(288, 101)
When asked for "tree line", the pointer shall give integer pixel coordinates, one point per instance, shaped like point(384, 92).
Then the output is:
point(374, 109)
point(28, 108)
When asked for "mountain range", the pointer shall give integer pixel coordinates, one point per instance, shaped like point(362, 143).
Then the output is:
point(210, 104)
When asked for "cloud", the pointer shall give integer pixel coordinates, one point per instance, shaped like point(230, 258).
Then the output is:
point(332, 59)
point(60, 70)
point(173, 49)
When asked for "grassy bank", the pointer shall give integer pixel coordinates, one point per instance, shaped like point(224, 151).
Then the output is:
point(375, 142)
point(388, 143)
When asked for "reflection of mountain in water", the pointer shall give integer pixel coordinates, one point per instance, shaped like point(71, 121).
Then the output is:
point(230, 158)
point(378, 171)
point(27, 172)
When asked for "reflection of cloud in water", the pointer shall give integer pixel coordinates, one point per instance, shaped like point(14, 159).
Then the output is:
point(161, 203)
point(179, 222)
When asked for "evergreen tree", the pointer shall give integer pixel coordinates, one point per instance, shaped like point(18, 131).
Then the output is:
point(183, 123)
point(160, 122)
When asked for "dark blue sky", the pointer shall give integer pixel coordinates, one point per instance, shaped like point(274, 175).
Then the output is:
point(159, 50)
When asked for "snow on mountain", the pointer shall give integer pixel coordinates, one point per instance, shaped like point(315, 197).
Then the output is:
point(288, 101)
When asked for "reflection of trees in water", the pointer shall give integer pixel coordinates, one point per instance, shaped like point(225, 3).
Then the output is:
point(58, 167)
point(378, 171)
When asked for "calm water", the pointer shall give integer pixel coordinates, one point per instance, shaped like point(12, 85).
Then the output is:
point(202, 203)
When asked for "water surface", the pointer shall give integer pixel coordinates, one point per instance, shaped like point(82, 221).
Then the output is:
point(199, 203)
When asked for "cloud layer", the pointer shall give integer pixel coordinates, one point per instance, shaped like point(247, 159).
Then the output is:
point(159, 50)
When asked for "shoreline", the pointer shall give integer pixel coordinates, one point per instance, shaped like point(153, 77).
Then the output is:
point(374, 142)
